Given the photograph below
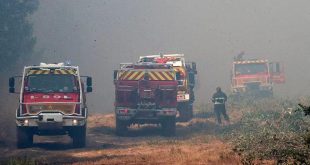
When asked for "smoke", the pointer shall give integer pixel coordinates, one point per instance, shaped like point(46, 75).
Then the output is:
point(97, 35)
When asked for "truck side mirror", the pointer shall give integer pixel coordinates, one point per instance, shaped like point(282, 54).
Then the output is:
point(115, 75)
point(191, 77)
point(278, 70)
point(194, 67)
point(275, 67)
point(271, 67)
point(12, 85)
point(12, 82)
point(89, 82)
point(89, 89)
point(178, 75)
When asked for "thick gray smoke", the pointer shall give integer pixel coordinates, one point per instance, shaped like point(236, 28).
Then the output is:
point(97, 35)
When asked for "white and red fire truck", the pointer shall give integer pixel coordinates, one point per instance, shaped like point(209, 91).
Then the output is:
point(52, 102)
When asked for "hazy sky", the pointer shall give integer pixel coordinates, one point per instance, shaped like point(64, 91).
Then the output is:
point(97, 35)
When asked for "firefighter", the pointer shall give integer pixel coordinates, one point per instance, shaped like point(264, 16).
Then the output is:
point(219, 98)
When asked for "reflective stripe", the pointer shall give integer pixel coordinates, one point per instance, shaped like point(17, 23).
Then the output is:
point(171, 75)
point(48, 71)
point(130, 75)
point(162, 75)
point(139, 76)
point(219, 100)
point(159, 76)
point(153, 75)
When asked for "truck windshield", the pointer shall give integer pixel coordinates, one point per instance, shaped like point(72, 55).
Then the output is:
point(244, 69)
point(51, 83)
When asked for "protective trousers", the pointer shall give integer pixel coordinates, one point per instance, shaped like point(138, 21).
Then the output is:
point(218, 110)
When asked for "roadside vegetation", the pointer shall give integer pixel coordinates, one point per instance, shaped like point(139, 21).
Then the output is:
point(272, 131)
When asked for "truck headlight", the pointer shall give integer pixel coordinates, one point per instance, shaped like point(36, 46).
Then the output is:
point(75, 122)
point(24, 122)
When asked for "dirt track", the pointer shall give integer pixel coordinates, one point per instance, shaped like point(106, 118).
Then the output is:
point(195, 143)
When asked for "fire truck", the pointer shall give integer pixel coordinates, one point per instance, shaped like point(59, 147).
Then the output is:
point(185, 75)
point(52, 102)
point(145, 93)
point(255, 77)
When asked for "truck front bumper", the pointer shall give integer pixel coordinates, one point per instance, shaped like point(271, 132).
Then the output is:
point(144, 114)
point(50, 123)
point(243, 89)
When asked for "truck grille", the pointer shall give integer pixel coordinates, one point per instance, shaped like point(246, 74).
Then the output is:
point(243, 81)
point(64, 108)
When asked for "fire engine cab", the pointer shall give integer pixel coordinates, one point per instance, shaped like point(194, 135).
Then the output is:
point(52, 102)
point(256, 76)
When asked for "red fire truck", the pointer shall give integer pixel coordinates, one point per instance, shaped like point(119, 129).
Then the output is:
point(186, 73)
point(256, 77)
point(145, 93)
point(52, 102)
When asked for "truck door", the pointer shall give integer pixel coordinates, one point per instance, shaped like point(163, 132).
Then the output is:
point(277, 73)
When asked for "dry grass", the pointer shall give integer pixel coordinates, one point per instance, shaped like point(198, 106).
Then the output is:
point(195, 143)
point(215, 152)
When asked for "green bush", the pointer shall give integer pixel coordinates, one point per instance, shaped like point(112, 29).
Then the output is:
point(271, 129)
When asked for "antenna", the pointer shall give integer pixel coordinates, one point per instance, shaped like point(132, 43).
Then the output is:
point(68, 63)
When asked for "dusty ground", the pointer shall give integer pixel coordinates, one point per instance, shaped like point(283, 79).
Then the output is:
point(195, 143)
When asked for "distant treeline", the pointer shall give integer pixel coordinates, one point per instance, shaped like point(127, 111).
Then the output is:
point(16, 38)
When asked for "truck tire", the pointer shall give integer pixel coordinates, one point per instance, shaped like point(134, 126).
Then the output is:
point(121, 128)
point(185, 112)
point(168, 126)
point(267, 94)
point(24, 137)
point(78, 136)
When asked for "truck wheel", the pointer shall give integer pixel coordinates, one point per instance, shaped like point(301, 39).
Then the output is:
point(168, 126)
point(190, 111)
point(268, 94)
point(24, 137)
point(79, 137)
point(121, 128)
point(185, 112)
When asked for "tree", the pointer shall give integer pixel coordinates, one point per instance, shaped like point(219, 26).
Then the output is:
point(16, 38)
